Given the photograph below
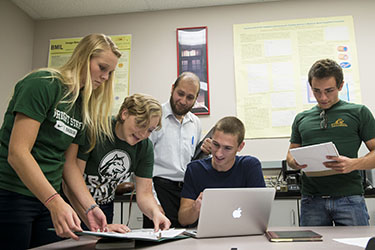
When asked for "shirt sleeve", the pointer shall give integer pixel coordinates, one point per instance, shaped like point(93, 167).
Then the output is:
point(296, 136)
point(367, 124)
point(80, 139)
point(82, 150)
point(145, 160)
point(37, 95)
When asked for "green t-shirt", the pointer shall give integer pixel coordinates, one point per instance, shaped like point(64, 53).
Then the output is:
point(37, 97)
point(111, 163)
point(348, 125)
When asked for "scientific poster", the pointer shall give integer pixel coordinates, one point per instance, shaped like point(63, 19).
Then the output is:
point(60, 51)
point(272, 60)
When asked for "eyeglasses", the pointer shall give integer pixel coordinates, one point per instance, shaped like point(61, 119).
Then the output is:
point(324, 121)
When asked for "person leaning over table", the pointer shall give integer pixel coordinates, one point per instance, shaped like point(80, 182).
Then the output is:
point(223, 170)
point(45, 121)
point(338, 198)
point(111, 162)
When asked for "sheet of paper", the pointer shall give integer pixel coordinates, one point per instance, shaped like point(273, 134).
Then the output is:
point(314, 156)
point(360, 242)
point(139, 234)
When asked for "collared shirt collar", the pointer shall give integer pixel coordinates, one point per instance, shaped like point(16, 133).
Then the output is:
point(168, 112)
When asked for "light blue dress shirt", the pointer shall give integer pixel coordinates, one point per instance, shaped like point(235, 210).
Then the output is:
point(174, 144)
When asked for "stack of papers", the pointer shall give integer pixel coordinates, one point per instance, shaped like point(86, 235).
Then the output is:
point(313, 156)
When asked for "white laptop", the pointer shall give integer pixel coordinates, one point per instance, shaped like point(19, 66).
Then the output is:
point(233, 212)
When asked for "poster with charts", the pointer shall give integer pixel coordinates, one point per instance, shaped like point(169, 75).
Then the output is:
point(272, 60)
point(60, 51)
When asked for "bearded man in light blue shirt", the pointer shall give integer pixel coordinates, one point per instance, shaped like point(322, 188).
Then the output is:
point(174, 144)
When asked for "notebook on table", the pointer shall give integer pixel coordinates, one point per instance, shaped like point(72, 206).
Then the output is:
point(293, 236)
point(234, 212)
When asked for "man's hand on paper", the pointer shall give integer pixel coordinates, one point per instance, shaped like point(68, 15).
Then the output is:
point(161, 209)
point(65, 220)
point(290, 159)
point(341, 164)
point(161, 222)
point(97, 220)
point(296, 166)
point(118, 228)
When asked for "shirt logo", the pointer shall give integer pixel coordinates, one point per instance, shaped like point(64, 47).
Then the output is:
point(66, 129)
point(339, 123)
point(66, 124)
point(113, 169)
point(115, 165)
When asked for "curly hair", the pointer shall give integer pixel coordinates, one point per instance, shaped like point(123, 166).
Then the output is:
point(143, 107)
point(326, 68)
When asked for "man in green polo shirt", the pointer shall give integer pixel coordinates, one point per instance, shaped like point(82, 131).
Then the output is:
point(335, 199)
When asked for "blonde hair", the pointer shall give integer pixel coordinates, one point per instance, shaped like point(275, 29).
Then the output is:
point(96, 104)
point(143, 107)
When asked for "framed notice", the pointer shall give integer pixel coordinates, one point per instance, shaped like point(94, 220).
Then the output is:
point(192, 56)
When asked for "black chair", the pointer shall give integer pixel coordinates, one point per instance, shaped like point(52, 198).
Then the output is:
point(199, 154)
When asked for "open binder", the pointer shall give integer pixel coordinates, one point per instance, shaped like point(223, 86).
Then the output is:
point(140, 234)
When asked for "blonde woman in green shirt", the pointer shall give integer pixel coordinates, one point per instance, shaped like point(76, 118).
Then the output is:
point(46, 119)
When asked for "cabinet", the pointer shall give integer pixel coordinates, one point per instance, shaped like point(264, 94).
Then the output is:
point(285, 212)
point(370, 203)
point(136, 216)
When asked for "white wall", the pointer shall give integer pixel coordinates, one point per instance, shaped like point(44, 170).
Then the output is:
point(16, 48)
point(154, 60)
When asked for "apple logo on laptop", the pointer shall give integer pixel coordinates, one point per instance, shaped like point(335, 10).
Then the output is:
point(237, 213)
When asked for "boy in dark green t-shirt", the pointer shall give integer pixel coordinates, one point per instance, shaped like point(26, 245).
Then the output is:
point(111, 162)
point(336, 199)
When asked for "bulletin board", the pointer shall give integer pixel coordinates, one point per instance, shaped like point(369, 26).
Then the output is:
point(272, 60)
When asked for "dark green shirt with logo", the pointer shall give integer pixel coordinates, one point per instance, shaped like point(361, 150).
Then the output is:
point(38, 96)
point(348, 125)
point(111, 163)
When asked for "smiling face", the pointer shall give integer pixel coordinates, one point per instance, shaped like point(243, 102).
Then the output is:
point(131, 132)
point(224, 149)
point(101, 68)
point(183, 96)
point(325, 91)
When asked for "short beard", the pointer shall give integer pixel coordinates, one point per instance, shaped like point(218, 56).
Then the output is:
point(174, 109)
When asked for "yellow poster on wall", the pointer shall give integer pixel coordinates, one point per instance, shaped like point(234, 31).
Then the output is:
point(272, 60)
point(60, 51)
